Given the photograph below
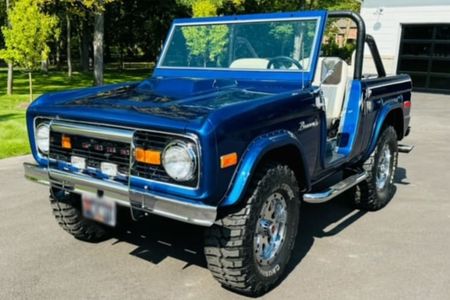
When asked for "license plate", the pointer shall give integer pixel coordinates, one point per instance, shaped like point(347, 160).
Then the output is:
point(100, 209)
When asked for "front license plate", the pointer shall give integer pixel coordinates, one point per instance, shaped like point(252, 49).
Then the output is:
point(100, 209)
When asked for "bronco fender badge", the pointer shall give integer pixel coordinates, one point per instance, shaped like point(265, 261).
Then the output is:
point(303, 125)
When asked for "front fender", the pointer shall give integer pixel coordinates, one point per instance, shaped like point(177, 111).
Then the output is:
point(378, 125)
point(251, 158)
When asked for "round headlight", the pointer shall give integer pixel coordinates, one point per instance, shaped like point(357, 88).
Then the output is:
point(179, 160)
point(43, 137)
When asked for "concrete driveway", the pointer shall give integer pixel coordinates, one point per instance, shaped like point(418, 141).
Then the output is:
point(400, 252)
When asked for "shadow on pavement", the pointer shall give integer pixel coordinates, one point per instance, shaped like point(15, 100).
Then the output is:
point(400, 176)
point(157, 238)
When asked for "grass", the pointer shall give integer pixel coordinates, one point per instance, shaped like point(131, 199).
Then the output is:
point(13, 133)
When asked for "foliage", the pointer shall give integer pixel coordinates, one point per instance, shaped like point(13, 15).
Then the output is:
point(13, 133)
point(282, 32)
point(205, 41)
point(143, 28)
point(2, 20)
point(333, 49)
point(26, 39)
point(96, 6)
point(255, 6)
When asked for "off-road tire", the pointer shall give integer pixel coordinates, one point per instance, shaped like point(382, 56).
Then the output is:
point(66, 208)
point(229, 247)
point(367, 196)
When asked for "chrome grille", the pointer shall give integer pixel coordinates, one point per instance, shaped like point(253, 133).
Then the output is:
point(94, 150)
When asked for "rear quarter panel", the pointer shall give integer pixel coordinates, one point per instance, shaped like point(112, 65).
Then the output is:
point(381, 96)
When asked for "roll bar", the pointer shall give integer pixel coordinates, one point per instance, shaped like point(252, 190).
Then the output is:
point(361, 39)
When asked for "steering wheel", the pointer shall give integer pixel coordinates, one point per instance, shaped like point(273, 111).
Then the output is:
point(273, 60)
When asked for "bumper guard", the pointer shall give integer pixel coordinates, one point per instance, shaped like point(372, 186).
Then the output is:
point(197, 214)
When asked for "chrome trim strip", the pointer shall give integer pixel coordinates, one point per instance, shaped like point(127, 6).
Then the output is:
point(182, 211)
point(197, 214)
point(114, 134)
point(335, 190)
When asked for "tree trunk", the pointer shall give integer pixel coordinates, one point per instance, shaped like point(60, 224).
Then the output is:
point(84, 55)
point(58, 55)
point(44, 65)
point(10, 80)
point(30, 81)
point(69, 46)
point(98, 47)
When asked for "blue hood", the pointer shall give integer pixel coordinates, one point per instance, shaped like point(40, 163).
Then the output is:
point(177, 101)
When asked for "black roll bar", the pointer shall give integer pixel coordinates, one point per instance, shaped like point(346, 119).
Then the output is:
point(376, 55)
point(360, 40)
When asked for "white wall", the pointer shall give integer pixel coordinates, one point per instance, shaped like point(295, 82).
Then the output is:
point(386, 27)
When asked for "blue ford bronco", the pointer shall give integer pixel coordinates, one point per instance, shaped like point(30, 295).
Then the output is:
point(241, 121)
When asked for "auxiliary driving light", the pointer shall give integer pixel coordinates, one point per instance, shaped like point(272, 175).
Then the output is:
point(109, 169)
point(78, 162)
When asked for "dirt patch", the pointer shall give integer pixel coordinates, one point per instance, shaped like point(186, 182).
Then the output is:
point(23, 105)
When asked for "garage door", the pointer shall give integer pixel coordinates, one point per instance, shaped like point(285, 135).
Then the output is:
point(425, 55)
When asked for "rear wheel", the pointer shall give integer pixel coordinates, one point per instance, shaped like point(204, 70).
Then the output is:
point(67, 211)
point(248, 250)
point(378, 189)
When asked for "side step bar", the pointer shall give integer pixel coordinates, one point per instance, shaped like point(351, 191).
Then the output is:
point(405, 148)
point(335, 190)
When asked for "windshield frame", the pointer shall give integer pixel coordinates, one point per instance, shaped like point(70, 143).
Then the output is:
point(286, 74)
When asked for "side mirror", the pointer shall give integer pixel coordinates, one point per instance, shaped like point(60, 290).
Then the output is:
point(327, 75)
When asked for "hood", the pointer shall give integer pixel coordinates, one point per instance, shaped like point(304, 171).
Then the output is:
point(180, 99)
point(159, 103)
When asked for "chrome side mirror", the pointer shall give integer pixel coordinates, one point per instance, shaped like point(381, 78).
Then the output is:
point(327, 75)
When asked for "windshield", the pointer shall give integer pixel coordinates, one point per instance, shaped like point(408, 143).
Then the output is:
point(285, 45)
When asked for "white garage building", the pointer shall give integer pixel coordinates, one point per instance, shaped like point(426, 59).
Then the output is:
point(413, 37)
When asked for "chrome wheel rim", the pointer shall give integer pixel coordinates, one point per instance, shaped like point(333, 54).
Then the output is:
point(270, 229)
point(384, 167)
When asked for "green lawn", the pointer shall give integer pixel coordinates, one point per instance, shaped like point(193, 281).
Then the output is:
point(13, 135)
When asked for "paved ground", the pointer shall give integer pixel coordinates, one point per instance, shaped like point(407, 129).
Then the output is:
point(401, 252)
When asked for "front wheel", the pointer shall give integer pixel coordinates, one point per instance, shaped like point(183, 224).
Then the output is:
point(378, 189)
point(248, 250)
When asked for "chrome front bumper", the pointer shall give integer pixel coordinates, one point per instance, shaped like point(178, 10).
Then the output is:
point(198, 214)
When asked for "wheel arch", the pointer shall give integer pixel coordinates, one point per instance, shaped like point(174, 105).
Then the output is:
point(281, 146)
point(391, 115)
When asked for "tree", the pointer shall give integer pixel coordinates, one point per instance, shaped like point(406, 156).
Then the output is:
point(97, 7)
point(10, 80)
point(205, 41)
point(27, 36)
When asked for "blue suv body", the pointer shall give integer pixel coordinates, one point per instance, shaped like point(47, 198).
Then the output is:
point(234, 103)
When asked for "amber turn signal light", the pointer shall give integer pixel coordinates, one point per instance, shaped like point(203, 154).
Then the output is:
point(228, 160)
point(66, 143)
point(150, 157)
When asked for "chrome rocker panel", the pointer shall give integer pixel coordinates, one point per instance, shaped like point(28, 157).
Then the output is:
point(203, 215)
